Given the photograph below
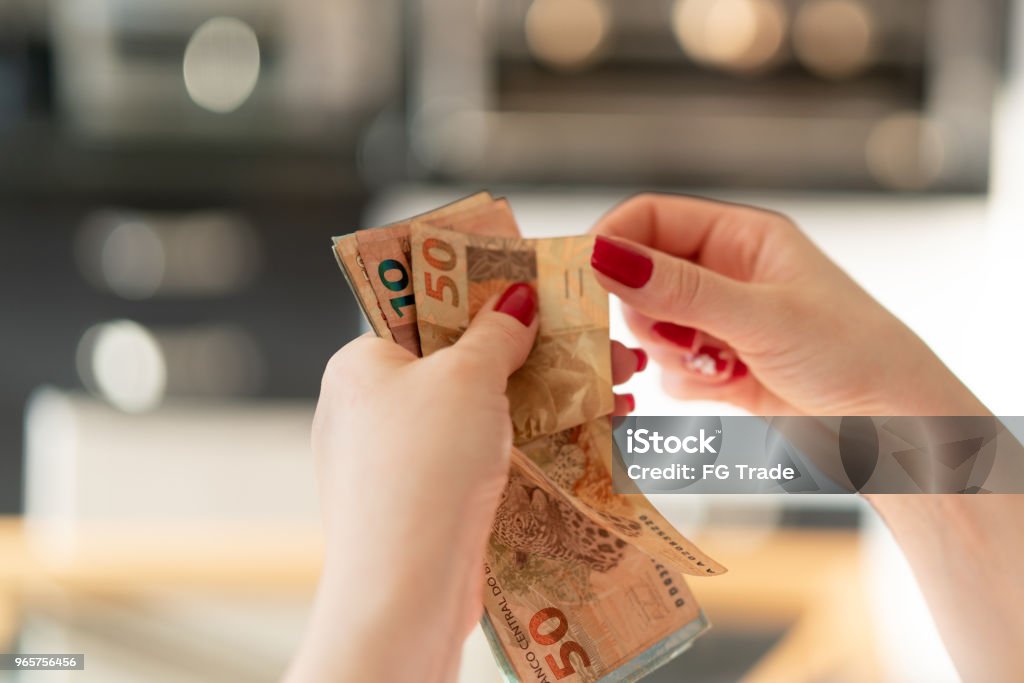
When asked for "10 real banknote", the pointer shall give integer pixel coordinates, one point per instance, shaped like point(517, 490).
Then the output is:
point(581, 583)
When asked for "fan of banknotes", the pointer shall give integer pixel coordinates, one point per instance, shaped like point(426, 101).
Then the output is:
point(581, 583)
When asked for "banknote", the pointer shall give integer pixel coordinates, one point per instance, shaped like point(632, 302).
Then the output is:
point(564, 599)
point(383, 256)
point(578, 461)
point(376, 261)
point(347, 254)
point(495, 219)
point(566, 381)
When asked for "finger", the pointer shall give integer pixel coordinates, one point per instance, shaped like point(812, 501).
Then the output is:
point(624, 404)
point(685, 388)
point(366, 353)
point(682, 344)
point(747, 393)
point(651, 332)
point(360, 361)
point(626, 362)
point(680, 225)
point(502, 333)
point(678, 291)
point(709, 365)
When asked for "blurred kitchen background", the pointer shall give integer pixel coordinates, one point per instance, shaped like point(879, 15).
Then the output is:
point(171, 173)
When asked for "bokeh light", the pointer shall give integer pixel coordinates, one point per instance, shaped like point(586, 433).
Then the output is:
point(121, 361)
point(222, 64)
point(567, 34)
point(906, 151)
point(132, 260)
point(734, 35)
point(140, 255)
point(834, 38)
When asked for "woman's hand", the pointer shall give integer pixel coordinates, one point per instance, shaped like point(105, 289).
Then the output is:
point(412, 455)
point(737, 305)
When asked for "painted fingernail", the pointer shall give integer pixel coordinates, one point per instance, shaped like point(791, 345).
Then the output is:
point(621, 263)
point(740, 369)
point(520, 302)
point(630, 401)
point(677, 334)
point(707, 361)
point(715, 354)
point(641, 359)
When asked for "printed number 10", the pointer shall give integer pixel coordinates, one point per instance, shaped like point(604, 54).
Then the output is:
point(396, 285)
point(553, 636)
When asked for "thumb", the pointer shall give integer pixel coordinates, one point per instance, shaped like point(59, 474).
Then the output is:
point(667, 288)
point(502, 333)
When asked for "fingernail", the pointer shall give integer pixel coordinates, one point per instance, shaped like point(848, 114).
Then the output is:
point(714, 354)
point(621, 263)
point(631, 401)
point(641, 359)
point(677, 334)
point(740, 369)
point(520, 302)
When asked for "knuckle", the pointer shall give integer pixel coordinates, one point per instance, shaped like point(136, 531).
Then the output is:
point(350, 358)
point(643, 198)
point(337, 364)
point(642, 203)
point(504, 404)
point(647, 204)
point(749, 215)
point(761, 230)
point(488, 349)
point(637, 198)
point(460, 362)
point(684, 285)
point(507, 332)
point(777, 218)
point(779, 308)
point(779, 223)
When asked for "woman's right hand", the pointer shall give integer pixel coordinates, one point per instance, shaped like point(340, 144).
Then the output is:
point(737, 305)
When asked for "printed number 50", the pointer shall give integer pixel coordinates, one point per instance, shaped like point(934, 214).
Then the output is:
point(553, 636)
point(443, 282)
point(440, 255)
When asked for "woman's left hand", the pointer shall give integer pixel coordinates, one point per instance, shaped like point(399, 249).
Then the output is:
point(412, 455)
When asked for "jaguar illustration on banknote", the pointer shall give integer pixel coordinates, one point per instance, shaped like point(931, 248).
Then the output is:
point(529, 521)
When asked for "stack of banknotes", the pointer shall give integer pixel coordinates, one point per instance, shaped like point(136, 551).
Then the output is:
point(581, 583)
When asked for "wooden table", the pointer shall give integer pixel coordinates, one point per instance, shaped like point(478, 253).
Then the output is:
point(807, 582)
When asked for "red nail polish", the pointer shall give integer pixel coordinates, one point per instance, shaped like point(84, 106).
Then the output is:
point(520, 302)
point(740, 369)
point(641, 359)
point(707, 361)
point(677, 334)
point(714, 354)
point(631, 400)
point(621, 263)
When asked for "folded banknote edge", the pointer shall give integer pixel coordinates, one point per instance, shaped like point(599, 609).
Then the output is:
point(651, 659)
